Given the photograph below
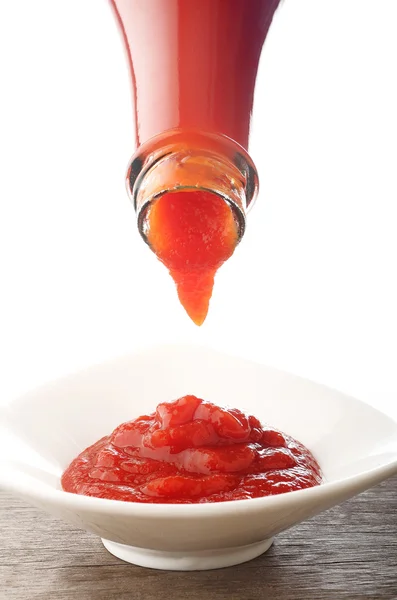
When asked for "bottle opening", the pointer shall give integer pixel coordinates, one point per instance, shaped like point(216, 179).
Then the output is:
point(191, 193)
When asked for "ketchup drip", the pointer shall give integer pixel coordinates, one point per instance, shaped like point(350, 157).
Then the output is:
point(193, 233)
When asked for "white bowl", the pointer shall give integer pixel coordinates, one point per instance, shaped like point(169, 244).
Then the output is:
point(355, 444)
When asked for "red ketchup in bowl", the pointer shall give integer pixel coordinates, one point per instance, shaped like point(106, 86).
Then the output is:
point(192, 451)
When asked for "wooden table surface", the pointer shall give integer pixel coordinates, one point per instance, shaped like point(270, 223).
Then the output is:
point(350, 552)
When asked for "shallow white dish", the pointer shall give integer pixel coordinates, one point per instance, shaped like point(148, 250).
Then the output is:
point(355, 444)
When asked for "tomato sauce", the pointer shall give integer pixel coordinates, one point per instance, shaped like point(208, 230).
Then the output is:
point(193, 233)
point(192, 451)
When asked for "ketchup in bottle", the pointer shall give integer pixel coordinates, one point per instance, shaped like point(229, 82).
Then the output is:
point(193, 66)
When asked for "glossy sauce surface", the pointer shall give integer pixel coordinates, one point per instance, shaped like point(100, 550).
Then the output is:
point(192, 451)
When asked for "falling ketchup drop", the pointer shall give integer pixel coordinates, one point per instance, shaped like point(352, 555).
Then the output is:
point(193, 233)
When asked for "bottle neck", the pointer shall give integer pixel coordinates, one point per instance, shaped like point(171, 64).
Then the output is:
point(192, 161)
point(194, 63)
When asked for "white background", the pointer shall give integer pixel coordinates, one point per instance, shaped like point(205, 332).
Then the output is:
point(312, 289)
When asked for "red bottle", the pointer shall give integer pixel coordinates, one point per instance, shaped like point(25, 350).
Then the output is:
point(193, 66)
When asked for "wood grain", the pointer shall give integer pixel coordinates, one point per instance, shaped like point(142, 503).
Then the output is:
point(349, 552)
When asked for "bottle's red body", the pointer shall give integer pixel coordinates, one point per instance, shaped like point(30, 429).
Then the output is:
point(194, 62)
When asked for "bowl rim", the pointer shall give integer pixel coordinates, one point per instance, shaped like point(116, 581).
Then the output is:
point(145, 349)
point(356, 483)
